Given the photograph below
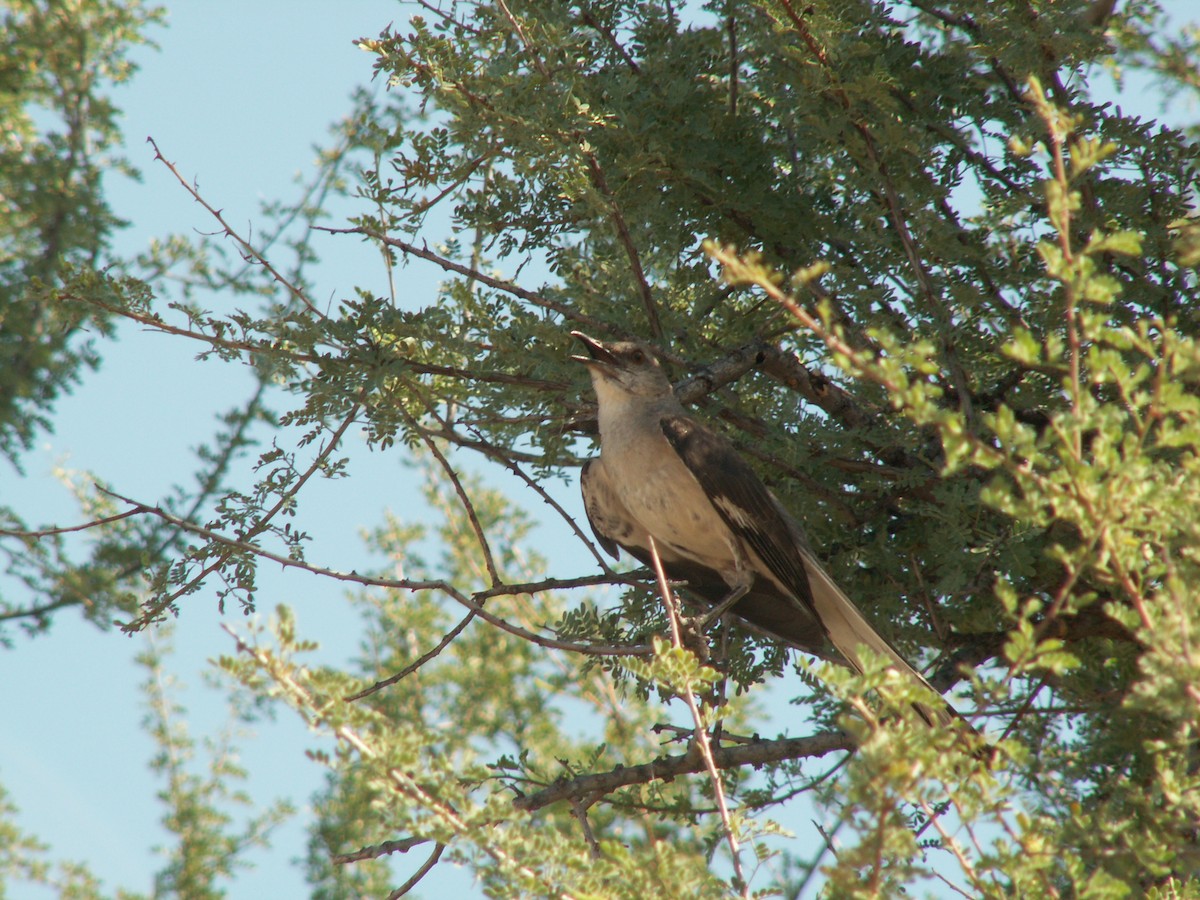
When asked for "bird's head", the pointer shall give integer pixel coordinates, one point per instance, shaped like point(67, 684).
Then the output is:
point(627, 367)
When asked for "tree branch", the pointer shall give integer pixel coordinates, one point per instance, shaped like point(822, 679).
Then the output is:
point(248, 250)
point(375, 851)
point(592, 22)
point(565, 310)
point(667, 768)
point(631, 251)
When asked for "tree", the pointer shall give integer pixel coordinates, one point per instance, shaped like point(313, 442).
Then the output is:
point(933, 287)
point(60, 137)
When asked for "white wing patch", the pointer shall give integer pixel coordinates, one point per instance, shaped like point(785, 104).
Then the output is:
point(735, 513)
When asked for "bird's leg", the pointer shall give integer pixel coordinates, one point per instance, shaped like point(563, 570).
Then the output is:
point(697, 625)
point(718, 689)
point(723, 607)
point(740, 580)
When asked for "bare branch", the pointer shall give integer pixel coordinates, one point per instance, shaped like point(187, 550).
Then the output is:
point(418, 662)
point(667, 768)
point(34, 612)
point(377, 850)
point(505, 458)
point(592, 22)
point(473, 602)
point(248, 250)
point(626, 239)
point(425, 869)
point(564, 309)
point(66, 529)
point(156, 608)
point(488, 560)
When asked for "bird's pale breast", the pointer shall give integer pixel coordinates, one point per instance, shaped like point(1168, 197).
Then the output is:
point(670, 504)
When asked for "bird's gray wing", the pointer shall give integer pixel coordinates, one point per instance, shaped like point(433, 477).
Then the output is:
point(755, 516)
point(742, 501)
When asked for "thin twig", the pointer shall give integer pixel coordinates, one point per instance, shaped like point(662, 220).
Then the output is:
point(426, 867)
point(66, 529)
point(488, 561)
point(157, 323)
point(156, 608)
point(566, 310)
point(494, 453)
point(895, 209)
point(601, 185)
point(249, 250)
point(529, 47)
point(701, 740)
point(403, 782)
point(449, 19)
point(579, 808)
point(631, 251)
point(950, 843)
point(466, 172)
point(418, 662)
point(592, 22)
point(472, 602)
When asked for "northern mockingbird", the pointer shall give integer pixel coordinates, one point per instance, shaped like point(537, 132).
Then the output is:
point(715, 525)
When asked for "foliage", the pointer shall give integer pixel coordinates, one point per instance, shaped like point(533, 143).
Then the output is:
point(200, 808)
point(60, 134)
point(937, 290)
point(59, 137)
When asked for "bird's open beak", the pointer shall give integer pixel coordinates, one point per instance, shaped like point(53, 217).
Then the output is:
point(598, 354)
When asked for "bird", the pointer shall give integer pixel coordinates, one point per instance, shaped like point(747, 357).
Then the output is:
point(663, 474)
point(764, 607)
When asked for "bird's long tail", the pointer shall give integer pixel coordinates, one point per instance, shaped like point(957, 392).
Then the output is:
point(848, 631)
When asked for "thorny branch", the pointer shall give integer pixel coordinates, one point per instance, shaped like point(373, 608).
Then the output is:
point(403, 783)
point(600, 183)
point(894, 206)
point(473, 602)
point(499, 284)
point(417, 663)
point(425, 869)
point(248, 250)
point(631, 251)
point(155, 608)
point(377, 850)
point(67, 529)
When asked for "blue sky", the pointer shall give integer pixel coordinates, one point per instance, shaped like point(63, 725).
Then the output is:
point(237, 96)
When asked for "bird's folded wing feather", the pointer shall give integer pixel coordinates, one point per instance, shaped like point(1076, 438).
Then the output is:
point(754, 515)
point(603, 508)
point(741, 499)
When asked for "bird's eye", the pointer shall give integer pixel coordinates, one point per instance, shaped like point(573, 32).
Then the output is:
point(638, 357)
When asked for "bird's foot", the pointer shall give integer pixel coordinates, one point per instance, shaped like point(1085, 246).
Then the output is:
point(691, 636)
